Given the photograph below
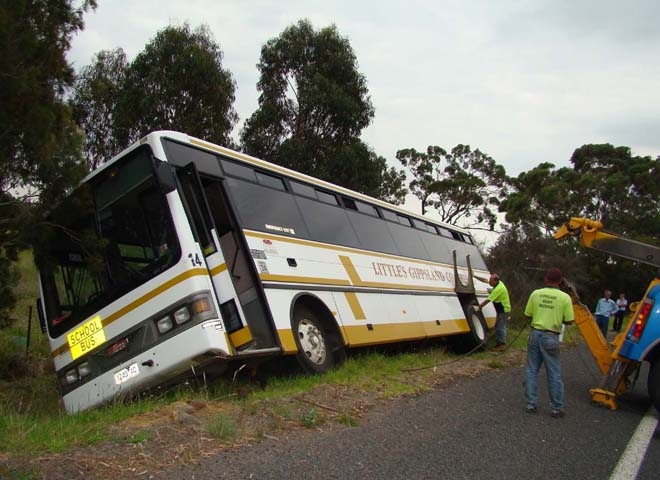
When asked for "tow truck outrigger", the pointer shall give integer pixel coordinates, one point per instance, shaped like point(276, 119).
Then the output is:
point(622, 358)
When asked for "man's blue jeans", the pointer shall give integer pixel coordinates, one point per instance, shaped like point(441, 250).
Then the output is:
point(603, 323)
point(500, 327)
point(543, 348)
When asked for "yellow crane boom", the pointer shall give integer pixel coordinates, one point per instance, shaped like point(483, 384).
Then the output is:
point(592, 235)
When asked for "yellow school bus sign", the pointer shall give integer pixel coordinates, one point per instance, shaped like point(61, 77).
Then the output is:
point(86, 337)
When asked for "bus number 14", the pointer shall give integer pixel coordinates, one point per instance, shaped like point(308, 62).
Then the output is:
point(194, 259)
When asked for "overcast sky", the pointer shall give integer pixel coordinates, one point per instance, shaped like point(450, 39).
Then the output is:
point(524, 81)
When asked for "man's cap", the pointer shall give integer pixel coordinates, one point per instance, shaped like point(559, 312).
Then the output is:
point(553, 275)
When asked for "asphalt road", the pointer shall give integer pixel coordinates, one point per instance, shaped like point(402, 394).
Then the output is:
point(474, 429)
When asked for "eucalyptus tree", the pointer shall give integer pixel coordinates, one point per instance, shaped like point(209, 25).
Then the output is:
point(94, 102)
point(604, 183)
point(313, 105)
point(463, 186)
point(177, 82)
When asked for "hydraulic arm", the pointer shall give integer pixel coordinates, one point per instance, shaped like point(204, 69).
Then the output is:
point(592, 235)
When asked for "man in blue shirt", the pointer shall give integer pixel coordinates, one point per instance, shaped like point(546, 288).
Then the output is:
point(605, 308)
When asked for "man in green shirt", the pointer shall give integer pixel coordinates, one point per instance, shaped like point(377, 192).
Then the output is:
point(499, 295)
point(549, 308)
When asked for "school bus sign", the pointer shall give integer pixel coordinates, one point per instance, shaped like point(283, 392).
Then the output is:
point(86, 337)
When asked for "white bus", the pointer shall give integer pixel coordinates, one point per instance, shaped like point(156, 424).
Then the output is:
point(179, 255)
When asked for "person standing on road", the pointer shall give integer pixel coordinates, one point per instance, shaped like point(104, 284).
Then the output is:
point(622, 308)
point(605, 308)
point(499, 295)
point(549, 309)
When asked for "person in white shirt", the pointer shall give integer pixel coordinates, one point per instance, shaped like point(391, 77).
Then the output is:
point(622, 308)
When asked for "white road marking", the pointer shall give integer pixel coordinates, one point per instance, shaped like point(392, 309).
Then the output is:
point(633, 456)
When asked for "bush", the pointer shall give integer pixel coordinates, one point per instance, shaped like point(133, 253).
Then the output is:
point(9, 277)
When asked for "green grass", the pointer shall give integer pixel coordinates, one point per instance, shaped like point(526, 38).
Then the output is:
point(222, 426)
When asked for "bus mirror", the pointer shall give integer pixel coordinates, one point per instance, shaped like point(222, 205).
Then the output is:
point(166, 178)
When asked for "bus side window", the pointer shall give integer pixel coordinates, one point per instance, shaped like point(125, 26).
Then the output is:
point(218, 208)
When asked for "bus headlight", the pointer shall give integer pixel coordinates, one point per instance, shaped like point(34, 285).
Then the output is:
point(196, 309)
point(84, 369)
point(182, 315)
point(164, 324)
point(71, 376)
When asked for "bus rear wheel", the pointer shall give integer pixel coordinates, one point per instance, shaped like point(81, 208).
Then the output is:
point(654, 383)
point(317, 345)
point(475, 339)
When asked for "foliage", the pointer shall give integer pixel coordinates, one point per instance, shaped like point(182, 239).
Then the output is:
point(464, 186)
point(40, 156)
point(522, 256)
point(313, 106)
point(9, 276)
point(605, 183)
point(94, 103)
point(177, 82)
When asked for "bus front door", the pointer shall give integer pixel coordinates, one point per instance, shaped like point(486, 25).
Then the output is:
point(242, 305)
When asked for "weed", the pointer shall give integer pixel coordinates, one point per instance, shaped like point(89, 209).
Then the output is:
point(10, 473)
point(139, 437)
point(222, 426)
point(496, 364)
point(348, 420)
point(311, 418)
point(249, 407)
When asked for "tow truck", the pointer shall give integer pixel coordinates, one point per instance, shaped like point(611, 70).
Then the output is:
point(620, 360)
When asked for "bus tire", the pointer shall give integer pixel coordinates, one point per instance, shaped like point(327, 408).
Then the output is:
point(654, 383)
point(318, 347)
point(476, 338)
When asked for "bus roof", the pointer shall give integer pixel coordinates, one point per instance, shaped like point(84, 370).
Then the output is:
point(153, 139)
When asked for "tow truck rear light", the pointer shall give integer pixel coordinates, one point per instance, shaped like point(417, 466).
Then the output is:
point(640, 320)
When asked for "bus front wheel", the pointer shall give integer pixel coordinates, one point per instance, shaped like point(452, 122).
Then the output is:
point(317, 349)
point(654, 383)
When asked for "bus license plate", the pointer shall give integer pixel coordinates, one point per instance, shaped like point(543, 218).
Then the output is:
point(126, 373)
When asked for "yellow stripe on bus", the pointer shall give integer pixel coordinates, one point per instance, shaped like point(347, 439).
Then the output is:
point(241, 337)
point(218, 269)
point(141, 301)
point(299, 279)
point(356, 308)
point(361, 335)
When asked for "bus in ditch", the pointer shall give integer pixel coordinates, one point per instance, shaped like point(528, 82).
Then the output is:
point(178, 256)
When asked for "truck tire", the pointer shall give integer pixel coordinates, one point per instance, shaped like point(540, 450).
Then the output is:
point(654, 383)
point(476, 338)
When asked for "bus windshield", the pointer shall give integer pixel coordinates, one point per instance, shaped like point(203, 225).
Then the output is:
point(110, 236)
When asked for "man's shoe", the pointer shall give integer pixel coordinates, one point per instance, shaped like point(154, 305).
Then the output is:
point(557, 414)
point(530, 409)
point(499, 347)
